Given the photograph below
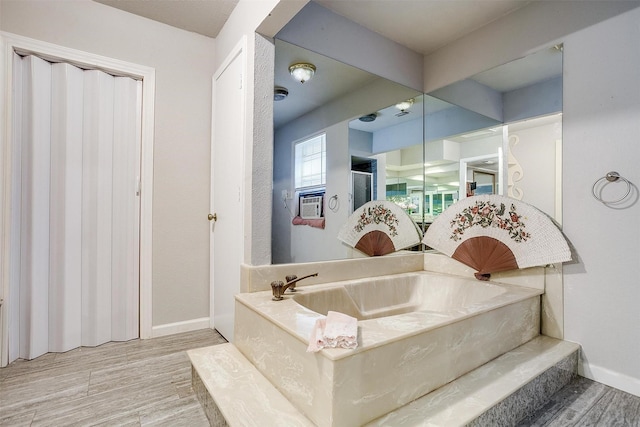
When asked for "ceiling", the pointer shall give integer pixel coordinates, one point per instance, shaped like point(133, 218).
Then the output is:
point(421, 25)
point(206, 17)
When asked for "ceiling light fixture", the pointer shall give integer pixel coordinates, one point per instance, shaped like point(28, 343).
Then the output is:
point(368, 118)
point(302, 72)
point(280, 93)
point(405, 105)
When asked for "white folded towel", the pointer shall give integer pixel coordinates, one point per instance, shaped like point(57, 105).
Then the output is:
point(335, 330)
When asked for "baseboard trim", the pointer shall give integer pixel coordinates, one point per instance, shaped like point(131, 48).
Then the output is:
point(179, 327)
point(611, 378)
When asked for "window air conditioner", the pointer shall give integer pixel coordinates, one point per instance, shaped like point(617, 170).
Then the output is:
point(311, 207)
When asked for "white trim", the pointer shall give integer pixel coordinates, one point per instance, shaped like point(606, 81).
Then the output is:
point(211, 206)
point(180, 327)
point(10, 43)
point(611, 378)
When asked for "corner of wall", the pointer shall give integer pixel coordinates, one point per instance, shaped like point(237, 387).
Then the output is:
point(261, 173)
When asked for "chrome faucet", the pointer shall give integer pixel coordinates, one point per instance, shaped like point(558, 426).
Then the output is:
point(278, 286)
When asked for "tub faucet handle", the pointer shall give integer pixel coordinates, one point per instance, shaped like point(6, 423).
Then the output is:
point(277, 289)
point(291, 278)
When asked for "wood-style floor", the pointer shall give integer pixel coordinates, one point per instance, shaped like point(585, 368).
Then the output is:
point(148, 382)
point(135, 383)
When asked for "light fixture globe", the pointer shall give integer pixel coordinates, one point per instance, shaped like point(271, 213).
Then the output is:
point(302, 72)
point(404, 105)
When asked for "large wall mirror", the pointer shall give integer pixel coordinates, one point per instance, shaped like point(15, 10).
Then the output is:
point(496, 132)
point(328, 106)
point(521, 157)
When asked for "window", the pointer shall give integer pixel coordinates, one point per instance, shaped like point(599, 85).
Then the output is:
point(310, 162)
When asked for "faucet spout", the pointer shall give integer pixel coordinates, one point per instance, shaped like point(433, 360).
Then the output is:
point(278, 287)
point(293, 279)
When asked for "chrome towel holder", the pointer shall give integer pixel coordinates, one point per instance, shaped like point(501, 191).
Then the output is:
point(610, 177)
point(334, 203)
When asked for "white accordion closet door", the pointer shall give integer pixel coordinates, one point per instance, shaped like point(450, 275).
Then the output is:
point(75, 251)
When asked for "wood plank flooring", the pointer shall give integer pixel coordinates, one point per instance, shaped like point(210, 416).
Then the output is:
point(135, 383)
point(148, 383)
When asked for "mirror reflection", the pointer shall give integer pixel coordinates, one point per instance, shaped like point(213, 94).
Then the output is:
point(525, 97)
point(312, 134)
point(495, 133)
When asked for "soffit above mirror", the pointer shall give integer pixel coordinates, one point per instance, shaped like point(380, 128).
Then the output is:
point(423, 26)
point(527, 87)
point(538, 67)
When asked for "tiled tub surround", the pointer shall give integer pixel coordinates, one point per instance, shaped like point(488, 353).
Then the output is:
point(399, 358)
point(548, 279)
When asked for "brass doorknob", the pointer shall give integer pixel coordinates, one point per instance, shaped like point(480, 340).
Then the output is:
point(213, 217)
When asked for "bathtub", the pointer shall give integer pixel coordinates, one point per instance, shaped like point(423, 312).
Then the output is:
point(416, 332)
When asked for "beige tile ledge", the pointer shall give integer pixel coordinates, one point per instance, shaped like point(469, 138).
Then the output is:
point(533, 277)
point(240, 393)
point(258, 278)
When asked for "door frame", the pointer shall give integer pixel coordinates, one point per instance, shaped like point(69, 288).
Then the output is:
point(462, 192)
point(10, 43)
point(238, 51)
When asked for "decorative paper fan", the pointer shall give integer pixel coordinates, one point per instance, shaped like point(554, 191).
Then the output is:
point(379, 228)
point(492, 233)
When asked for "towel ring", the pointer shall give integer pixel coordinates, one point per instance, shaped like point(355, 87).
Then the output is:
point(334, 203)
point(611, 177)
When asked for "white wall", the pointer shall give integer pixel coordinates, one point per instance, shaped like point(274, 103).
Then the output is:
point(302, 243)
point(184, 64)
point(600, 129)
point(536, 154)
point(313, 244)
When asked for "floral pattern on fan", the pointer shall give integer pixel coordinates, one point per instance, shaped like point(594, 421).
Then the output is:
point(375, 215)
point(486, 214)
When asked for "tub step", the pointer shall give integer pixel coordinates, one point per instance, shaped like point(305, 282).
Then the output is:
point(501, 392)
point(232, 392)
